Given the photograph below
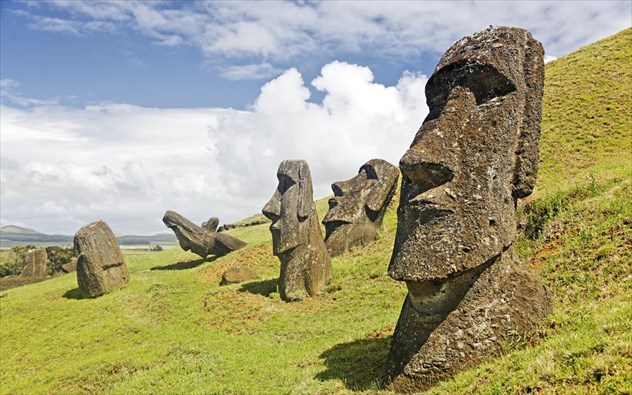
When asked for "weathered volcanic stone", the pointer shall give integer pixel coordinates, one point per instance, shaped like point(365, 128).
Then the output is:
point(199, 240)
point(36, 261)
point(70, 266)
point(211, 225)
point(100, 264)
point(358, 206)
point(473, 157)
point(237, 274)
point(296, 236)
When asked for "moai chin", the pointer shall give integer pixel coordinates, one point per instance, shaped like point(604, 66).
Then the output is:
point(296, 236)
point(358, 206)
point(100, 264)
point(475, 154)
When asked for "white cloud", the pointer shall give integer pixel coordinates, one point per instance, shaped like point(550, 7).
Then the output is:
point(549, 58)
point(281, 31)
point(257, 71)
point(63, 167)
point(9, 91)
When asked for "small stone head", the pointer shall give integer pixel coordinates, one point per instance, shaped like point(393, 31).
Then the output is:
point(358, 206)
point(291, 206)
point(473, 157)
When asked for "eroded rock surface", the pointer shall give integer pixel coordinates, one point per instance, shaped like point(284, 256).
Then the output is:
point(70, 266)
point(358, 206)
point(200, 241)
point(237, 274)
point(36, 261)
point(100, 264)
point(473, 157)
point(296, 236)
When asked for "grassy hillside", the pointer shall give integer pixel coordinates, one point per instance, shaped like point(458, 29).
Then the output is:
point(173, 330)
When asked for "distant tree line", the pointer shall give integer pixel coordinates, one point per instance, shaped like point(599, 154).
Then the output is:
point(57, 256)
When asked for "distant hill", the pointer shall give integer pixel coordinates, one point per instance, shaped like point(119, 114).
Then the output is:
point(153, 239)
point(12, 235)
point(17, 229)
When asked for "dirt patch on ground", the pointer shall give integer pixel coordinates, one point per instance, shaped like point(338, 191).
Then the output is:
point(550, 249)
point(14, 282)
point(259, 258)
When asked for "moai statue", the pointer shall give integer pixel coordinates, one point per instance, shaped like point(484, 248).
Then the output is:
point(475, 154)
point(100, 264)
point(36, 261)
point(358, 206)
point(201, 240)
point(211, 225)
point(296, 236)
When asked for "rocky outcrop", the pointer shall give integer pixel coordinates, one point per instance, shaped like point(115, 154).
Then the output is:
point(69, 267)
point(100, 264)
point(473, 157)
point(296, 235)
point(250, 221)
point(237, 274)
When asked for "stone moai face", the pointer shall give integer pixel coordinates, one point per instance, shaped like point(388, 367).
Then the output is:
point(291, 206)
point(201, 240)
point(296, 235)
point(358, 206)
point(475, 154)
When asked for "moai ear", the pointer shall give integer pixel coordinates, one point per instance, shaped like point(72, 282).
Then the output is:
point(305, 192)
point(382, 193)
point(526, 165)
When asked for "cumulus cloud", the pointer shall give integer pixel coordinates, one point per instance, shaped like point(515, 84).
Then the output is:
point(63, 167)
point(282, 31)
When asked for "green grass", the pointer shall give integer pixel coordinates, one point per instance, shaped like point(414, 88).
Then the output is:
point(173, 330)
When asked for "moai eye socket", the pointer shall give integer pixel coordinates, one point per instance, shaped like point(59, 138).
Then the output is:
point(420, 177)
point(285, 182)
point(370, 172)
point(484, 81)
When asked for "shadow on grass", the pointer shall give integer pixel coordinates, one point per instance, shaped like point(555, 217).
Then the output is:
point(358, 364)
point(73, 294)
point(185, 265)
point(265, 287)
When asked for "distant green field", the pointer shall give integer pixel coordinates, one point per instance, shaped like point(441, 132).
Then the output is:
point(174, 330)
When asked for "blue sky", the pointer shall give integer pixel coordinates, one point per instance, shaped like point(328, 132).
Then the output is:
point(122, 110)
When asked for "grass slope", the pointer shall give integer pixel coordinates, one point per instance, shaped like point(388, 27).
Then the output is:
point(173, 330)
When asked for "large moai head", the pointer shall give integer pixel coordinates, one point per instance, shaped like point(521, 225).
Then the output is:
point(473, 157)
point(358, 206)
point(296, 235)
